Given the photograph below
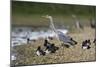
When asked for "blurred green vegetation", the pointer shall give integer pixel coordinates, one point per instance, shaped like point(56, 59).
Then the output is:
point(29, 8)
point(30, 13)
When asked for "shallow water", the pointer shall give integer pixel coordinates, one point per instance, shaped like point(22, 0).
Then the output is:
point(19, 35)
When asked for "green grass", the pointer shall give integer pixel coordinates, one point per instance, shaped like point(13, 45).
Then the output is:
point(51, 8)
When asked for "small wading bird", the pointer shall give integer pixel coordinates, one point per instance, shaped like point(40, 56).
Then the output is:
point(60, 35)
point(39, 51)
point(77, 22)
point(86, 44)
point(50, 48)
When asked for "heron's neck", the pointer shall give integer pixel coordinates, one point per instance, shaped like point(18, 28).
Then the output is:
point(52, 24)
point(51, 21)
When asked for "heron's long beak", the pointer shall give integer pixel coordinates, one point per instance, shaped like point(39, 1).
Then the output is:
point(45, 16)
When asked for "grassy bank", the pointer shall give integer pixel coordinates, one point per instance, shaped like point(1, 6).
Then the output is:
point(27, 53)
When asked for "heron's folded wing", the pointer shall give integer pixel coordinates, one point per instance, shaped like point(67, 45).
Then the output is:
point(64, 38)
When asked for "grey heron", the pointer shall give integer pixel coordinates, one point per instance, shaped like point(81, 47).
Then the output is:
point(60, 35)
point(77, 22)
